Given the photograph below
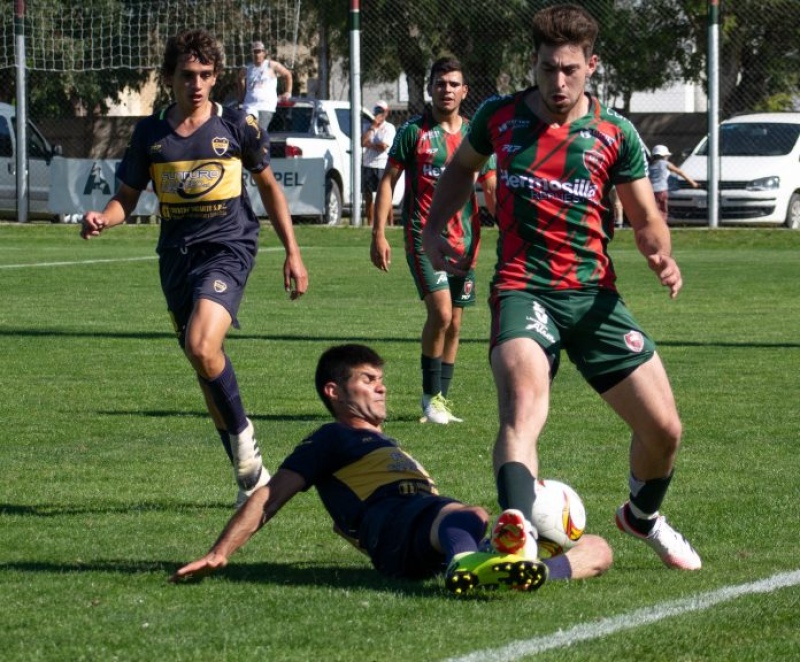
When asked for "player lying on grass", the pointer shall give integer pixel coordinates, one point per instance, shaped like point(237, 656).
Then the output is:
point(382, 501)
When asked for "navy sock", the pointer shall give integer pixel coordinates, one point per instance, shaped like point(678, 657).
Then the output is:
point(558, 567)
point(431, 374)
point(447, 377)
point(461, 531)
point(225, 438)
point(516, 488)
point(224, 391)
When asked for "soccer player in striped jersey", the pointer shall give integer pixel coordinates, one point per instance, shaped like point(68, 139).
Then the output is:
point(422, 148)
point(559, 151)
point(195, 153)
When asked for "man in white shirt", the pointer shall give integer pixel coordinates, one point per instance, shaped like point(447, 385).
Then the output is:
point(258, 85)
point(376, 141)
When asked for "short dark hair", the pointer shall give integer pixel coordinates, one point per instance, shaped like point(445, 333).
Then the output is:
point(565, 24)
point(336, 365)
point(445, 65)
point(199, 44)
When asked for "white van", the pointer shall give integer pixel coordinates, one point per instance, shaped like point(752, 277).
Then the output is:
point(40, 157)
point(759, 174)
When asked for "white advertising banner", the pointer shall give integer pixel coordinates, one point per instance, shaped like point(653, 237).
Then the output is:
point(80, 185)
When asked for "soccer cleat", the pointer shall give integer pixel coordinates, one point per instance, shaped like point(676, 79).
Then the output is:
point(434, 410)
point(513, 534)
point(672, 548)
point(452, 418)
point(491, 570)
point(247, 465)
point(244, 495)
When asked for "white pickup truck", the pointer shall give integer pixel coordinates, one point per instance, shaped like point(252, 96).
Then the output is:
point(40, 158)
point(304, 128)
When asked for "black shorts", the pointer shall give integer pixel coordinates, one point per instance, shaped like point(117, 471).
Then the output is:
point(396, 533)
point(370, 178)
point(209, 271)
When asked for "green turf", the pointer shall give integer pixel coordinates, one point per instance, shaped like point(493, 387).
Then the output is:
point(112, 474)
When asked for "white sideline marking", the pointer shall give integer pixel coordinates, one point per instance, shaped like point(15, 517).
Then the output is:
point(107, 260)
point(628, 621)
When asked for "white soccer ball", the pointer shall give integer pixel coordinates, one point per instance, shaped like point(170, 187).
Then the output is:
point(558, 515)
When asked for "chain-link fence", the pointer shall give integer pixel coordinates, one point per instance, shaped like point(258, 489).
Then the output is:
point(89, 64)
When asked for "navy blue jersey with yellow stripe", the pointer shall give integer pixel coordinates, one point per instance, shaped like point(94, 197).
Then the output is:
point(354, 470)
point(198, 179)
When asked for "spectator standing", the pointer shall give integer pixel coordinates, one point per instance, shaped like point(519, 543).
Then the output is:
point(376, 141)
point(258, 85)
point(659, 169)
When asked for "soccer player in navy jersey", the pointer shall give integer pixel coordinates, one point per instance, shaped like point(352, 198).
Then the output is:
point(195, 153)
point(559, 152)
point(422, 148)
point(383, 502)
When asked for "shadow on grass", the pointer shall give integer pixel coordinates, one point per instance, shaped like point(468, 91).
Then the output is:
point(265, 573)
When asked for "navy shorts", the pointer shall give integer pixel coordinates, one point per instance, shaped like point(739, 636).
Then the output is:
point(209, 271)
point(370, 178)
point(396, 533)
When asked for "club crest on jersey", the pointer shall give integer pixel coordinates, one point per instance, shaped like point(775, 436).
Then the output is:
point(635, 341)
point(220, 145)
point(220, 286)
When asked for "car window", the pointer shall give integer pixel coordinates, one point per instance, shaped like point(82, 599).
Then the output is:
point(343, 116)
point(37, 145)
point(756, 139)
point(291, 119)
point(5, 138)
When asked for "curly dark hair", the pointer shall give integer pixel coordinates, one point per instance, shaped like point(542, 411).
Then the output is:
point(198, 43)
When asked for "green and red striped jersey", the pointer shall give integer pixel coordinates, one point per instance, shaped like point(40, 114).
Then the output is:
point(553, 209)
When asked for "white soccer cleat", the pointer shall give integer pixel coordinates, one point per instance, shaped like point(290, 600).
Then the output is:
point(248, 467)
point(672, 548)
point(435, 409)
point(244, 495)
point(514, 534)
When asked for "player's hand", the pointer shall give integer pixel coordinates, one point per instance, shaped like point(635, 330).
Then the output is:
point(380, 252)
point(445, 257)
point(207, 565)
point(295, 277)
point(667, 271)
point(92, 224)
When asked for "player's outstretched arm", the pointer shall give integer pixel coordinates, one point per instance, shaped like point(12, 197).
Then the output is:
point(295, 276)
point(261, 507)
point(651, 232)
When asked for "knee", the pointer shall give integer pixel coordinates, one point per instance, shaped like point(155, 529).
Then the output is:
point(205, 357)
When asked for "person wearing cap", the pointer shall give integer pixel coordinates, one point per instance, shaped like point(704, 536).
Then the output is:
point(659, 169)
point(376, 141)
point(258, 85)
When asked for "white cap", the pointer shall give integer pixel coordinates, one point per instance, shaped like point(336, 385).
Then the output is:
point(661, 150)
point(258, 46)
point(382, 104)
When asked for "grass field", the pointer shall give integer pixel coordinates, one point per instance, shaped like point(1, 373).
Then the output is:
point(112, 475)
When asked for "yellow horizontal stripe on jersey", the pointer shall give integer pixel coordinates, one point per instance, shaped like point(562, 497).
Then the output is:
point(379, 468)
point(182, 182)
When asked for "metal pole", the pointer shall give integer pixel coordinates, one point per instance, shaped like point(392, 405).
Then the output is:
point(713, 114)
point(355, 106)
point(22, 114)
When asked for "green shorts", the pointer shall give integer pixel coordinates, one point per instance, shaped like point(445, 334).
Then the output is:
point(427, 280)
point(595, 328)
